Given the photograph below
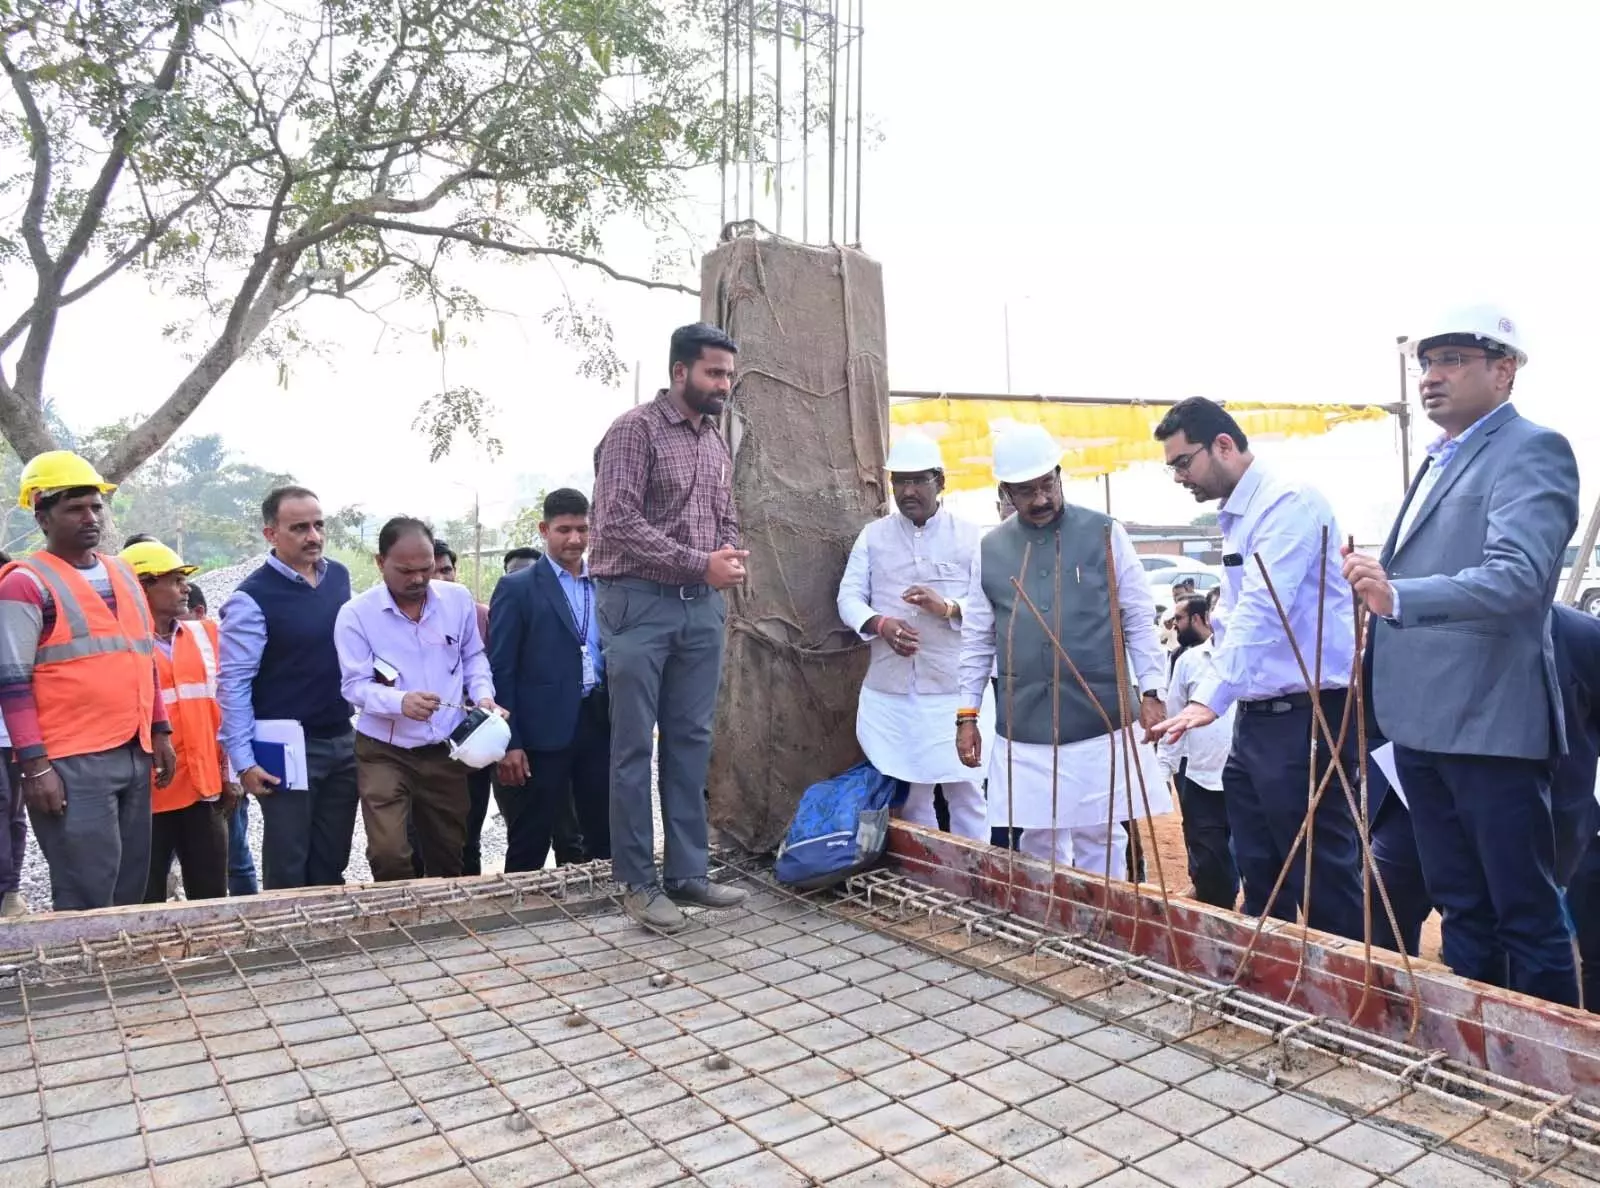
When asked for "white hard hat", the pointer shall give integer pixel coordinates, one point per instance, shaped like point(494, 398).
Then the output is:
point(481, 739)
point(1480, 324)
point(1025, 452)
point(913, 454)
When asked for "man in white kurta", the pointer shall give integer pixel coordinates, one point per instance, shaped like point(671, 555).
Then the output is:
point(1054, 762)
point(903, 590)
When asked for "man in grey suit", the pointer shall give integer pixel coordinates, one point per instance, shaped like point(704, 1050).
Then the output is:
point(1463, 676)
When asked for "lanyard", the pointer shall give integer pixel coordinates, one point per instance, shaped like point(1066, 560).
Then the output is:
point(588, 608)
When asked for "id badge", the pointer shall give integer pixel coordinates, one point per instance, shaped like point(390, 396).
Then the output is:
point(588, 667)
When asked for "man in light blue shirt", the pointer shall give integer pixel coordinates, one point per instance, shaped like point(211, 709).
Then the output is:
point(1269, 770)
point(406, 649)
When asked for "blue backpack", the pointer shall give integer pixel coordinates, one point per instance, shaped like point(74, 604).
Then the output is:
point(840, 827)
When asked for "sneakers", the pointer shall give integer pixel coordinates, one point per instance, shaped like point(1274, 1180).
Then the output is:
point(705, 893)
point(649, 907)
point(13, 905)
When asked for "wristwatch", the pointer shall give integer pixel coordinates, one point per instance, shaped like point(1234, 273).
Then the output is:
point(1152, 693)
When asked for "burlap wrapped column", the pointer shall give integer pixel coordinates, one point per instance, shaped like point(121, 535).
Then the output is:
point(808, 427)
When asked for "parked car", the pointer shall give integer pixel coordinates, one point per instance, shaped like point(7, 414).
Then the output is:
point(1205, 578)
point(1588, 600)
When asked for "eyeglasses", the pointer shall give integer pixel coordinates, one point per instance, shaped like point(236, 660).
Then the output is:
point(1450, 360)
point(1181, 464)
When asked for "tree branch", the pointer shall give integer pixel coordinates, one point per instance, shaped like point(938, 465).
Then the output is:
point(43, 167)
point(517, 249)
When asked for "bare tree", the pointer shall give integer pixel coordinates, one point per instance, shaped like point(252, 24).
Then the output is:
point(252, 157)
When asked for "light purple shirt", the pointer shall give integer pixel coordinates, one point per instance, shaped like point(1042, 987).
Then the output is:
point(437, 654)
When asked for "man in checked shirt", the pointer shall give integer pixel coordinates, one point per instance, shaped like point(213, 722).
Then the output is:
point(663, 546)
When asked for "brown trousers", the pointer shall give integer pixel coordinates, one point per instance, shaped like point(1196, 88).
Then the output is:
point(423, 783)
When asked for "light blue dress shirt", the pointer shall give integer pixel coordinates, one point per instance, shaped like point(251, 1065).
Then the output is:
point(243, 635)
point(580, 601)
point(1282, 520)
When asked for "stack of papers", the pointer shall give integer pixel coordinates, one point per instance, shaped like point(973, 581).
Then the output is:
point(280, 749)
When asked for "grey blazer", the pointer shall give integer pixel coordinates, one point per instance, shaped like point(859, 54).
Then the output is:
point(1469, 668)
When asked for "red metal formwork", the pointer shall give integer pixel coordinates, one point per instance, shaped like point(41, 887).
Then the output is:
point(1526, 1039)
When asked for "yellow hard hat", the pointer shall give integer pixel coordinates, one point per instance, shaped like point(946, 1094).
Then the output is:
point(58, 470)
point(151, 558)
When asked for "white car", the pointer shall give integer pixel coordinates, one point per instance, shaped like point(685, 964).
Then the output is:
point(1205, 577)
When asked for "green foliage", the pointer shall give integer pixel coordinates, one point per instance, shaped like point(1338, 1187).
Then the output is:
point(250, 157)
point(193, 495)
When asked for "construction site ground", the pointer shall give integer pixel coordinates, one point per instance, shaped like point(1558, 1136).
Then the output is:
point(522, 1031)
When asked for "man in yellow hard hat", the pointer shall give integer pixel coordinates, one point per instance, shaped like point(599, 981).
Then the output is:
point(78, 692)
point(189, 817)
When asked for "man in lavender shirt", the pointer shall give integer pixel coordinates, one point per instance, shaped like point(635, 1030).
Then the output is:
point(406, 648)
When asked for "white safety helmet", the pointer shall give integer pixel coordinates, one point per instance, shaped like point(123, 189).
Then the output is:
point(912, 454)
point(1025, 452)
point(481, 739)
point(1477, 325)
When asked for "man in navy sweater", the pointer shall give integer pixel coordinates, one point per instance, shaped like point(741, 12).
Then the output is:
point(549, 674)
point(278, 662)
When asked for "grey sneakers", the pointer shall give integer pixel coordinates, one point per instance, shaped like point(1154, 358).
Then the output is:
point(648, 906)
point(705, 893)
point(657, 908)
point(13, 905)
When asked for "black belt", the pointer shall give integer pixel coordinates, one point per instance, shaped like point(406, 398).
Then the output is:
point(682, 593)
point(1287, 702)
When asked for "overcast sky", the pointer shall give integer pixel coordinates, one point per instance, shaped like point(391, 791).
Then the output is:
point(1245, 200)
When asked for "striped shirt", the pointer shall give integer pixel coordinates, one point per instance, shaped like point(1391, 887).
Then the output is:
point(663, 497)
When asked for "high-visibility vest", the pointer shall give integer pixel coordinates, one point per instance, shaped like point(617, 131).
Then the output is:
point(93, 684)
point(189, 687)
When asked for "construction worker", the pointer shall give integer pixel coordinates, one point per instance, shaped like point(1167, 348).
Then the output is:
point(79, 692)
point(190, 815)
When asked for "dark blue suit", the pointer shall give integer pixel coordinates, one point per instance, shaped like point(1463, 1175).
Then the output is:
point(1573, 809)
point(536, 654)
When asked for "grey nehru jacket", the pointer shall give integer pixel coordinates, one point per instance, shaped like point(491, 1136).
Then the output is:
point(1074, 597)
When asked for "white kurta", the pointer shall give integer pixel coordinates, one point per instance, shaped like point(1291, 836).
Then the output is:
point(1037, 786)
point(912, 736)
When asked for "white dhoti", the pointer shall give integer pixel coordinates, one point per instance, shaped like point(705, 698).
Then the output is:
point(1059, 797)
point(912, 737)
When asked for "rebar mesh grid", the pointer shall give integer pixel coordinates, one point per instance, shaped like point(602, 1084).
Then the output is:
point(774, 1044)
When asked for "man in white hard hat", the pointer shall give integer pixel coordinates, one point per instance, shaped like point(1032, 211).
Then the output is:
point(1054, 757)
point(903, 590)
point(1268, 775)
point(1464, 679)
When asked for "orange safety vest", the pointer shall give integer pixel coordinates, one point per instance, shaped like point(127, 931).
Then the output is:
point(92, 681)
point(189, 688)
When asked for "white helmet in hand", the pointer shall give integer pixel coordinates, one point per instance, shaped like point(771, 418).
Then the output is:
point(481, 739)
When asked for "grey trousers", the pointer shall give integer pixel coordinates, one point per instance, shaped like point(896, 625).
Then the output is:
point(99, 849)
point(663, 656)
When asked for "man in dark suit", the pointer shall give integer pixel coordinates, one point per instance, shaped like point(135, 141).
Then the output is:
point(544, 647)
point(1464, 679)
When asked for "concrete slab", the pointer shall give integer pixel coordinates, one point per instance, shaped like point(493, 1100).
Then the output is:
point(788, 1042)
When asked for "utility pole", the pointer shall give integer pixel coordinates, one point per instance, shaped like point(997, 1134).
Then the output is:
point(637, 367)
point(477, 550)
point(1006, 313)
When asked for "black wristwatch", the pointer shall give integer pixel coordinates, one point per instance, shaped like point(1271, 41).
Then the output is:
point(1151, 693)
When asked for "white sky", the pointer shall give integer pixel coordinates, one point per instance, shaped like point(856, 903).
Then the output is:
point(1245, 200)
